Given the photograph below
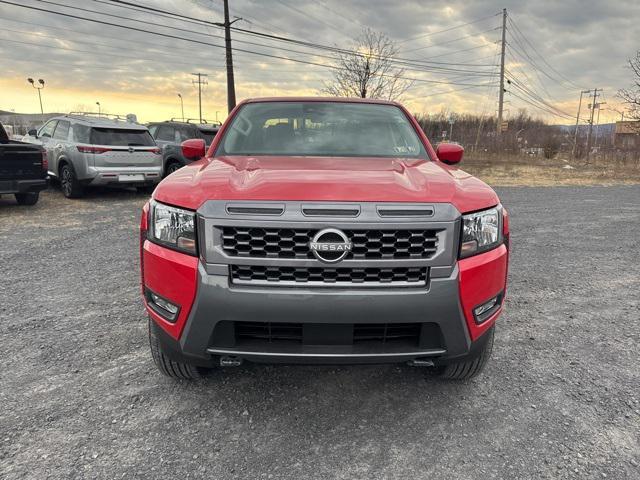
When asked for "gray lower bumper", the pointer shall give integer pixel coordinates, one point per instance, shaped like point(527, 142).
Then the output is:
point(217, 300)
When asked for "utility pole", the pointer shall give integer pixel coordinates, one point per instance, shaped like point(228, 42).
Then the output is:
point(201, 81)
point(593, 110)
point(231, 86)
point(598, 121)
point(575, 135)
point(502, 53)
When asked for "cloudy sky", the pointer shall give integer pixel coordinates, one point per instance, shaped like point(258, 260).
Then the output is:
point(555, 49)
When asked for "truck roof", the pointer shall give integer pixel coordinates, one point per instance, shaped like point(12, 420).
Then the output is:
point(320, 99)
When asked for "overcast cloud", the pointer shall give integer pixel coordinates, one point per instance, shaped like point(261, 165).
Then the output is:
point(586, 42)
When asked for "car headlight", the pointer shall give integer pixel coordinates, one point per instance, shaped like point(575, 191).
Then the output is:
point(480, 232)
point(173, 227)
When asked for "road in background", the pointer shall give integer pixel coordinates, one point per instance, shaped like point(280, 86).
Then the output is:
point(560, 399)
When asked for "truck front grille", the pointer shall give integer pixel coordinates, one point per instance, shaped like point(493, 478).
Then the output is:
point(369, 276)
point(395, 244)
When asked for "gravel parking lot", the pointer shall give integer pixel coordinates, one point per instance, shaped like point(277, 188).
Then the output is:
point(560, 399)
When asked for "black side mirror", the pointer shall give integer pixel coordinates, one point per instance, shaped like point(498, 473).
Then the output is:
point(33, 133)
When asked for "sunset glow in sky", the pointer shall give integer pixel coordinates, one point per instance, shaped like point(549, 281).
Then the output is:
point(584, 44)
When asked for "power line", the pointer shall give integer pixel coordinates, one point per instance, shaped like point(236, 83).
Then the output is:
point(312, 17)
point(334, 49)
point(517, 29)
point(411, 39)
point(452, 40)
point(166, 35)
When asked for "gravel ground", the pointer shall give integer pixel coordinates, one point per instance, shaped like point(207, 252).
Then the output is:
point(560, 398)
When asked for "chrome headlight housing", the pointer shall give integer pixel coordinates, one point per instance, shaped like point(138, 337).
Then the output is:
point(481, 231)
point(173, 227)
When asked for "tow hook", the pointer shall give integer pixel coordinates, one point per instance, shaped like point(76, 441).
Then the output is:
point(420, 362)
point(228, 361)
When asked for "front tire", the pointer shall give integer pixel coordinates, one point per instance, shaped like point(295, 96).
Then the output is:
point(168, 367)
point(466, 370)
point(69, 183)
point(171, 167)
point(29, 198)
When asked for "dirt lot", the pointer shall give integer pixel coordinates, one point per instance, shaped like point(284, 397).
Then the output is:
point(560, 399)
point(508, 171)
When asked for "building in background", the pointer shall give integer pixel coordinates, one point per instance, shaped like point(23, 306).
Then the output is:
point(626, 135)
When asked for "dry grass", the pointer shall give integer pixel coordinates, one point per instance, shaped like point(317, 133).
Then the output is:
point(534, 171)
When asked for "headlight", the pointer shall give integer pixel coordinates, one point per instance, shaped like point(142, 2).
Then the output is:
point(480, 232)
point(173, 227)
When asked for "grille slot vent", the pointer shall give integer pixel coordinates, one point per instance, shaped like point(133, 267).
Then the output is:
point(331, 212)
point(255, 209)
point(405, 212)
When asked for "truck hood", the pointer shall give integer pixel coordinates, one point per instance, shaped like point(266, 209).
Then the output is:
point(323, 179)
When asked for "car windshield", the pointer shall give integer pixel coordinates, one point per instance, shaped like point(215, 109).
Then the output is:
point(207, 135)
point(333, 129)
point(121, 137)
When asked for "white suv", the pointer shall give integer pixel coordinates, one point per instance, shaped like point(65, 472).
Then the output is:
point(89, 149)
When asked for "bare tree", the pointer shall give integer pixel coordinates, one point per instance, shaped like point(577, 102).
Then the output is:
point(368, 70)
point(632, 96)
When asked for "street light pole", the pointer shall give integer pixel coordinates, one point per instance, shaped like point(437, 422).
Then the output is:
point(181, 105)
point(99, 111)
point(33, 84)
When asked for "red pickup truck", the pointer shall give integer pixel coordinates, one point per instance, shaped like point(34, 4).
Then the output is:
point(323, 231)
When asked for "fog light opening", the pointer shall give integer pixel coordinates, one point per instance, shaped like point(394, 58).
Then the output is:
point(483, 312)
point(162, 306)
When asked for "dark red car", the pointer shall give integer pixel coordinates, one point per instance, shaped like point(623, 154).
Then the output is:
point(323, 231)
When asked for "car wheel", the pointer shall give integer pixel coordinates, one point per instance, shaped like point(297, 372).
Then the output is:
point(168, 367)
point(71, 187)
point(466, 370)
point(29, 198)
point(172, 167)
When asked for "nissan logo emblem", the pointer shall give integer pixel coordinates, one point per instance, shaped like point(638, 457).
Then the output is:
point(330, 245)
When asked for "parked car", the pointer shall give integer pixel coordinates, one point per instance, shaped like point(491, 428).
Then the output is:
point(88, 149)
point(323, 231)
point(170, 134)
point(23, 169)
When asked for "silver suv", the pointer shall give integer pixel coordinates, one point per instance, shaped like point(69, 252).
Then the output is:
point(90, 149)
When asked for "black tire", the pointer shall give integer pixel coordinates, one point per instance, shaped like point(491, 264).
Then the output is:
point(171, 167)
point(466, 370)
point(29, 198)
point(69, 184)
point(168, 367)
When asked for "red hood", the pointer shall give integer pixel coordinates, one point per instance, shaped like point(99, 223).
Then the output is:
point(324, 179)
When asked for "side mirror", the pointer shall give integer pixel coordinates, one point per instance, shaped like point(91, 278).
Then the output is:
point(450, 153)
point(33, 133)
point(193, 149)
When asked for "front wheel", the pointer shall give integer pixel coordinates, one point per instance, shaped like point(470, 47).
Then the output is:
point(466, 370)
point(172, 167)
point(168, 367)
point(29, 198)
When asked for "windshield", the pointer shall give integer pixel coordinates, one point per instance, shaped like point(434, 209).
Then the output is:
point(330, 129)
point(121, 137)
point(207, 135)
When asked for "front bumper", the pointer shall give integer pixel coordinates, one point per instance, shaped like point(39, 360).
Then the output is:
point(124, 175)
point(206, 297)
